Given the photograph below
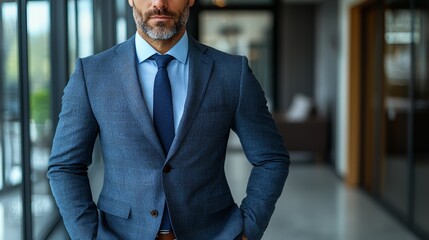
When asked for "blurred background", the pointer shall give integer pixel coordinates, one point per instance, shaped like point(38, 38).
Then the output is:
point(346, 80)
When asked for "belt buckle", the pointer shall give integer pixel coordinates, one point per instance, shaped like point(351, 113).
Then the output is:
point(164, 232)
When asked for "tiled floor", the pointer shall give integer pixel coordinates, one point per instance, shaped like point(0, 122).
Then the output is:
point(315, 204)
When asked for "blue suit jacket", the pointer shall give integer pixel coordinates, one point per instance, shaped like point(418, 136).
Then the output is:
point(104, 98)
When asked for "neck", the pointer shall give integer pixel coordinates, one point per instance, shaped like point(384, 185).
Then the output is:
point(162, 46)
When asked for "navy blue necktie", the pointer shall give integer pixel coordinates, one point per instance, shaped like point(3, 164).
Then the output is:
point(163, 117)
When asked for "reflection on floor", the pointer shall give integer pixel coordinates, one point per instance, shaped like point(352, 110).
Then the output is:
point(43, 210)
point(10, 215)
point(315, 204)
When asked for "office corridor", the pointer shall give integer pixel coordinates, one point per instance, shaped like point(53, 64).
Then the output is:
point(315, 204)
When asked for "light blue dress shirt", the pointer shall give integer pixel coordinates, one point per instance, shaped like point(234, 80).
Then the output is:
point(178, 72)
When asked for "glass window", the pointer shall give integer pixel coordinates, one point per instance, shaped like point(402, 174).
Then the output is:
point(72, 34)
point(44, 211)
point(121, 20)
point(397, 65)
point(11, 99)
point(246, 33)
point(421, 120)
point(85, 28)
point(81, 30)
point(10, 128)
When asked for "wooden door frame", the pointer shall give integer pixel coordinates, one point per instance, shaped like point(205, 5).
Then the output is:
point(355, 90)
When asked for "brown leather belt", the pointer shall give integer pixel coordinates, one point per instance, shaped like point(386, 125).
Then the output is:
point(165, 236)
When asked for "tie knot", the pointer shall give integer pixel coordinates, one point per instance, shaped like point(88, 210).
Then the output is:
point(162, 61)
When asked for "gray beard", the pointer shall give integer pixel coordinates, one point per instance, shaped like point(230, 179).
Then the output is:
point(160, 32)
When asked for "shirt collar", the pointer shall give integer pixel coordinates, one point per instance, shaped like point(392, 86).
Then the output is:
point(178, 51)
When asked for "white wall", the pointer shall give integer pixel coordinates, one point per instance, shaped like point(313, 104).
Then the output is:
point(296, 53)
point(340, 123)
point(326, 66)
point(326, 57)
point(343, 86)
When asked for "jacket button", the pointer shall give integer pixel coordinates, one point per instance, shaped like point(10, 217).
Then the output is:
point(167, 168)
point(154, 213)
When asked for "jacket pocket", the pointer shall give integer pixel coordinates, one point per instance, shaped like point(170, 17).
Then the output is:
point(113, 207)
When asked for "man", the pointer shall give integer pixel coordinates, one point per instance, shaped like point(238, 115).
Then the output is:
point(164, 150)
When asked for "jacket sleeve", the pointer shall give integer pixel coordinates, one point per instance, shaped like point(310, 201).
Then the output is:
point(70, 157)
point(265, 150)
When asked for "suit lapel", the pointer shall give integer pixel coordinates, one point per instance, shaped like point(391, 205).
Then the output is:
point(127, 75)
point(200, 67)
